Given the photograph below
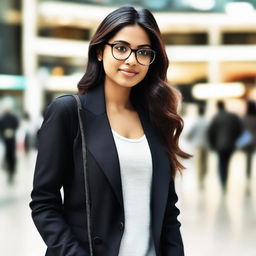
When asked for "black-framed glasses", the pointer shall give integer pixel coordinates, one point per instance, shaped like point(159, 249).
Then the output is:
point(121, 51)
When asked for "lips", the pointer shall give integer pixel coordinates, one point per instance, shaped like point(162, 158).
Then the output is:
point(128, 72)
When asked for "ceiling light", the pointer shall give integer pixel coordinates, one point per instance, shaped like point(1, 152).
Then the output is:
point(239, 8)
point(203, 5)
point(218, 90)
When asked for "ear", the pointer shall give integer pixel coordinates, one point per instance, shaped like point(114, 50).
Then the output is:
point(99, 54)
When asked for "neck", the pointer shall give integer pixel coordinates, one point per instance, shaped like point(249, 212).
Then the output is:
point(117, 97)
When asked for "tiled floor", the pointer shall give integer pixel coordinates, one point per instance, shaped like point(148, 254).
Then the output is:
point(212, 225)
point(18, 235)
point(217, 225)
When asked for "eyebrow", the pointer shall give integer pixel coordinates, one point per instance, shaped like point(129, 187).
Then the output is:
point(122, 41)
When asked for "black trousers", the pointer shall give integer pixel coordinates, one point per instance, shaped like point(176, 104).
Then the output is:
point(224, 159)
point(10, 155)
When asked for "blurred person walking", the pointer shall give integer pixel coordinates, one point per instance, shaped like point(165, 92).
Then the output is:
point(119, 192)
point(25, 132)
point(249, 122)
point(27, 126)
point(8, 126)
point(1, 151)
point(198, 138)
point(223, 132)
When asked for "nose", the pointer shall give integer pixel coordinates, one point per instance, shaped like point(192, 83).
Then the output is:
point(132, 59)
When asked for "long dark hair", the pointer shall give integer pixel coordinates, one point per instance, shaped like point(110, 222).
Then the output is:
point(153, 93)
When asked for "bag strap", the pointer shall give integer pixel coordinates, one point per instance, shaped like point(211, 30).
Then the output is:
point(87, 198)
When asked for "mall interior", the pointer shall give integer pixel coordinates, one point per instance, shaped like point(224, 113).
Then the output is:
point(211, 46)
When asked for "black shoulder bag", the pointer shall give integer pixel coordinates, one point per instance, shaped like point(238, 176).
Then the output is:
point(87, 199)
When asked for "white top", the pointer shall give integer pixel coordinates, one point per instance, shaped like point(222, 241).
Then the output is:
point(136, 175)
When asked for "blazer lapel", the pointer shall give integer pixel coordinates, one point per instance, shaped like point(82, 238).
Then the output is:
point(161, 177)
point(99, 138)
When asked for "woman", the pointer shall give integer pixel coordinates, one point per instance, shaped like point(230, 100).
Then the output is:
point(131, 131)
point(249, 122)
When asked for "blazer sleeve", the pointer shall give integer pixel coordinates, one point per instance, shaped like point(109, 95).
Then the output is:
point(53, 159)
point(172, 243)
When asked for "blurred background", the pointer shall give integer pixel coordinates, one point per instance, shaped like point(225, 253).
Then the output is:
point(211, 46)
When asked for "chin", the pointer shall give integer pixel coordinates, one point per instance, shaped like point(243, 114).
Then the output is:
point(127, 84)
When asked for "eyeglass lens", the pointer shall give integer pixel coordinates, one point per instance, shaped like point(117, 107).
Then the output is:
point(145, 56)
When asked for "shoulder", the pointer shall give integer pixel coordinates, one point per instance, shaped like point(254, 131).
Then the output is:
point(61, 115)
point(61, 109)
point(61, 106)
point(235, 117)
point(63, 102)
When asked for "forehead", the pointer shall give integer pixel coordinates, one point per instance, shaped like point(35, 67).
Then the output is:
point(133, 34)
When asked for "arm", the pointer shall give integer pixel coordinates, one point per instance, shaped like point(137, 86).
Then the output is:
point(211, 133)
point(239, 127)
point(1, 129)
point(171, 238)
point(53, 161)
point(192, 132)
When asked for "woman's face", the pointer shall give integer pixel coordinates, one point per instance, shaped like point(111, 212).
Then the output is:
point(129, 72)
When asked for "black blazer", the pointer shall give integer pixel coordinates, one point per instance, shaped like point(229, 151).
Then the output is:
point(61, 220)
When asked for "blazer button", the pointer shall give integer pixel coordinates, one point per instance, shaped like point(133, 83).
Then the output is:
point(97, 240)
point(121, 225)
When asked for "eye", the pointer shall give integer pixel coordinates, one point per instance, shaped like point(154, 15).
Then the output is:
point(121, 48)
point(145, 52)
